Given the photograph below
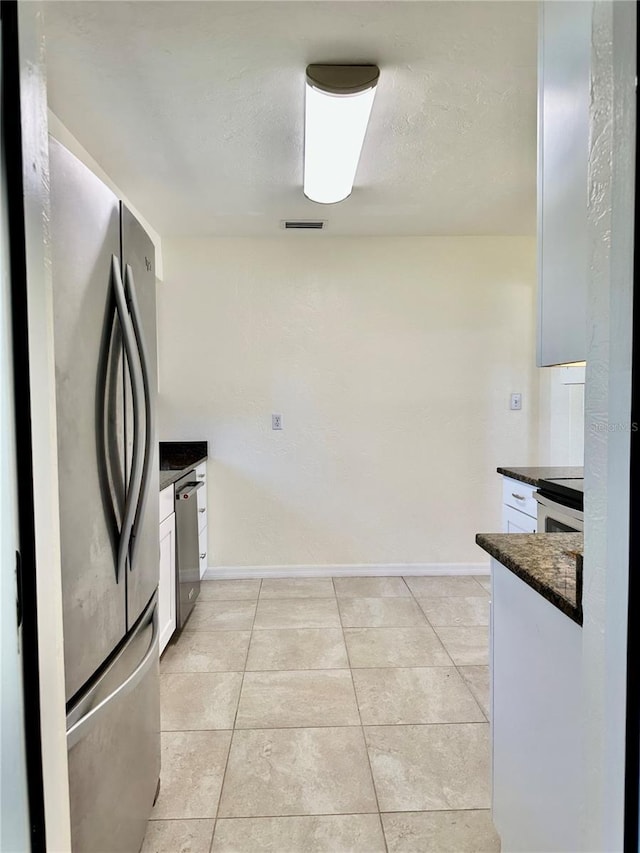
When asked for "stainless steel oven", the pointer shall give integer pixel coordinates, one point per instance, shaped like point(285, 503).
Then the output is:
point(560, 505)
point(553, 517)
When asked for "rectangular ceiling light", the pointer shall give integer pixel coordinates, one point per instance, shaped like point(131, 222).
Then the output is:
point(337, 108)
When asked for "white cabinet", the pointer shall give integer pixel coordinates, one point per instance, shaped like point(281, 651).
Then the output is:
point(167, 582)
point(514, 521)
point(201, 476)
point(536, 670)
point(563, 150)
point(519, 507)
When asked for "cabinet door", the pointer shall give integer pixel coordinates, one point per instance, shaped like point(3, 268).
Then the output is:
point(202, 554)
point(202, 507)
point(167, 587)
point(563, 152)
point(201, 475)
point(536, 662)
point(514, 521)
point(167, 497)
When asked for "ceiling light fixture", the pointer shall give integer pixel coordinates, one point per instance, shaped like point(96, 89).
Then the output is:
point(337, 108)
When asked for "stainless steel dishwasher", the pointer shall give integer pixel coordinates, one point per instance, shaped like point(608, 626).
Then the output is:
point(187, 553)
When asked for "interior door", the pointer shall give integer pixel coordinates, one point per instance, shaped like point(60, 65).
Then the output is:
point(89, 400)
point(138, 260)
point(14, 801)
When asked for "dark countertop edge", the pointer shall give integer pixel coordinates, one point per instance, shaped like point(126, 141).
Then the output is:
point(532, 474)
point(514, 474)
point(170, 476)
point(573, 611)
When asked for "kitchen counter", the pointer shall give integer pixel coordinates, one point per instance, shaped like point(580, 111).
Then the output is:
point(550, 563)
point(533, 475)
point(177, 458)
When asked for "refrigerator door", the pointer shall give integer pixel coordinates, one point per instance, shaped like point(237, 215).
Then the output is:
point(90, 419)
point(138, 264)
point(113, 736)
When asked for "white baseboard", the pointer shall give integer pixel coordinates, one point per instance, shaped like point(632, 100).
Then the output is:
point(354, 570)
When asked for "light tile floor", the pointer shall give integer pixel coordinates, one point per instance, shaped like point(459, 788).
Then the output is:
point(319, 716)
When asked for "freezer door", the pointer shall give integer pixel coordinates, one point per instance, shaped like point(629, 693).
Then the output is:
point(90, 419)
point(113, 737)
point(138, 262)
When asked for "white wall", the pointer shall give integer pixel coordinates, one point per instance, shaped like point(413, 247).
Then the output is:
point(391, 362)
point(608, 408)
point(561, 406)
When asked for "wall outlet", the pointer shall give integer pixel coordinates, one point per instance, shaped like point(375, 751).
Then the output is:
point(516, 402)
point(276, 421)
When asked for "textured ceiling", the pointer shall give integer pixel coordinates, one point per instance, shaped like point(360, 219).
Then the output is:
point(196, 110)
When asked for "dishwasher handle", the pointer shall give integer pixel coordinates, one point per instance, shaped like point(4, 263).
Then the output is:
point(187, 490)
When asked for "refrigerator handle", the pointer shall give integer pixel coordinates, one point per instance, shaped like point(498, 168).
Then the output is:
point(130, 290)
point(137, 388)
point(79, 728)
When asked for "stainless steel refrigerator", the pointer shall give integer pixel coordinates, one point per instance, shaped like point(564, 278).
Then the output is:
point(106, 381)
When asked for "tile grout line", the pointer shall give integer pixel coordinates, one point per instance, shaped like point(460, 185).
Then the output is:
point(354, 726)
point(462, 678)
point(213, 828)
point(483, 588)
point(324, 668)
point(363, 728)
point(318, 814)
point(364, 739)
point(233, 730)
point(444, 648)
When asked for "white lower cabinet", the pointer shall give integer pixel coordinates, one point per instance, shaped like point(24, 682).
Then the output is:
point(519, 507)
point(167, 579)
point(201, 475)
point(538, 761)
point(202, 552)
point(514, 521)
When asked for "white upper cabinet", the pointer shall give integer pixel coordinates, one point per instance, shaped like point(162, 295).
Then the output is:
point(563, 151)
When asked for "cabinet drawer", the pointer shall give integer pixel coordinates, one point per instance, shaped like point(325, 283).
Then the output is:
point(166, 502)
point(201, 476)
point(520, 496)
point(202, 551)
point(515, 521)
point(201, 495)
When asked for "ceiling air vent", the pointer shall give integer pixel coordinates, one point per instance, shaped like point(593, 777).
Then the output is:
point(303, 224)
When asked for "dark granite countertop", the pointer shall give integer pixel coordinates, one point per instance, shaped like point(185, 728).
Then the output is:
point(177, 458)
point(533, 475)
point(550, 563)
